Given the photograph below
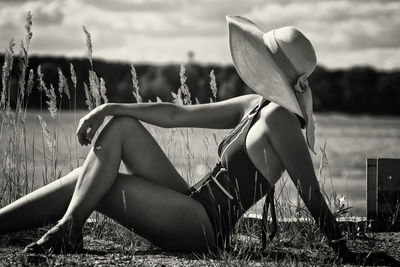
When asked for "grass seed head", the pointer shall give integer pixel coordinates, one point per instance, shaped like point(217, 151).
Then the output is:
point(94, 84)
point(52, 101)
point(184, 89)
point(7, 67)
point(46, 133)
point(42, 85)
point(135, 84)
point(73, 74)
point(88, 100)
point(50, 93)
point(213, 86)
point(89, 45)
point(28, 28)
point(24, 59)
point(103, 90)
point(63, 84)
point(30, 82)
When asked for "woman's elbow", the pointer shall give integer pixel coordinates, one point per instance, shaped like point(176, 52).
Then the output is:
point(172, 116)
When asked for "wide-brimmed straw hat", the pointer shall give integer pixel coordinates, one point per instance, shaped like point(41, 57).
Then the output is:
point(275, 65)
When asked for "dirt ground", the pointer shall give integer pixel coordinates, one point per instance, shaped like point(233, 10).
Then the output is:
point(374, 249)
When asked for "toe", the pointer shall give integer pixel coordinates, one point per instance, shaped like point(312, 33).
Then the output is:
point(34, 248)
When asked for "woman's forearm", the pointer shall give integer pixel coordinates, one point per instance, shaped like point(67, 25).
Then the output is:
point(160, 114)
point(220, 115)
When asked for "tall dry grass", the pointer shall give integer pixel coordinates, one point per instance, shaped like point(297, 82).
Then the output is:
point(13, 134)
point(19, 151)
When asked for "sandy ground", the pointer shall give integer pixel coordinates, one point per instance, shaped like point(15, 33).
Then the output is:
point(373, 248)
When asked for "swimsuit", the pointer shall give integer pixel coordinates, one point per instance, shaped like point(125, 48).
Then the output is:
point(234, 185)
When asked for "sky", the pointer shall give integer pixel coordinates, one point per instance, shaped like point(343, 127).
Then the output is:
point(345, 33)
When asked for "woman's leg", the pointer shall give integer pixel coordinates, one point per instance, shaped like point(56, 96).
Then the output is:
point(40, 207)
point(169, 219)
point(163, 216)
point(123, 138)
point(141, 154)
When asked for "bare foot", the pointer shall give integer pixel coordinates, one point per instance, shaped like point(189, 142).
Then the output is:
point(57, 240)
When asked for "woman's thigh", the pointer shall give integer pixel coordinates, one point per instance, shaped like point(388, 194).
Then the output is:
point(143, 156)
point(169, 219)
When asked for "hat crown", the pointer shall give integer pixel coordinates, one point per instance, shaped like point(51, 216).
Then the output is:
point(297, 48)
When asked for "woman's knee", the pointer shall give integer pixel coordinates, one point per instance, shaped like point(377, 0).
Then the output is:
point(77, 171)
point(120, 126)
point(70, 179)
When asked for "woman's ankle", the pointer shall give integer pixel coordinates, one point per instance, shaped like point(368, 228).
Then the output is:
point(71, 226)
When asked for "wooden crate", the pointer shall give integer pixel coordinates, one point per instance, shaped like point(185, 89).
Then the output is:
point(383, 194)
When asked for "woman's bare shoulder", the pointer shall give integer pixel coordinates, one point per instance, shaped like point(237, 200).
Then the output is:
point(244, 103)
point(275, 115)
point(249, 101)
point(283, 129)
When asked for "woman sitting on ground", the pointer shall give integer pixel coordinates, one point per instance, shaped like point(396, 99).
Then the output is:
point(152, 198)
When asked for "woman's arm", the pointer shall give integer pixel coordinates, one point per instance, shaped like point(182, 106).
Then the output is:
point(222, 115)
point(284, 133)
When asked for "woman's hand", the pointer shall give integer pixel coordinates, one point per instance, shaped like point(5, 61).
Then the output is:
point(89, 124)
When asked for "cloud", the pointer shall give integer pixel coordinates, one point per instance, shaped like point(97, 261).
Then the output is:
point(337, 24)
point(136, 5)
point(365, 31)
point(173, 17)
point(51, 13)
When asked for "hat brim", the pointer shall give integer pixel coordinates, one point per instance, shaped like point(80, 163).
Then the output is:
point(255, 65)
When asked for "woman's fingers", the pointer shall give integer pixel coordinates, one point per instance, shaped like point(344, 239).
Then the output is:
point(88, 126)
point(82, 139)
point(92, 131)
point(86, 131)
point(82, 132)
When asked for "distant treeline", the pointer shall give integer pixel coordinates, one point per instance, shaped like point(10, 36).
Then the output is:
point(355, 90)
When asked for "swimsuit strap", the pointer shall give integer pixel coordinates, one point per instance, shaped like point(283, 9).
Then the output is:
point(242, 128)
